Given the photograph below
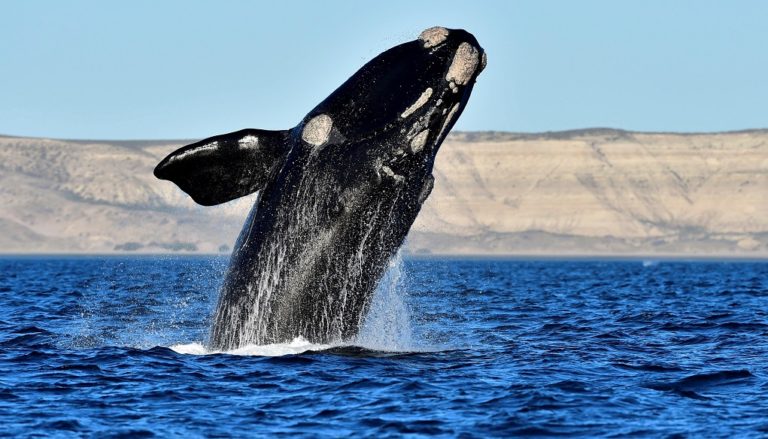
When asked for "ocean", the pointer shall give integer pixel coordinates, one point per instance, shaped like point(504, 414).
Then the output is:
point(115, 347)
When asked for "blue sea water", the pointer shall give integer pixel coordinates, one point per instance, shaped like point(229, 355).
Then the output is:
point(474, 348)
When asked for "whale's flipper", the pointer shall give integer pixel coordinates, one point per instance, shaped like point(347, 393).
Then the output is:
point(225, 167)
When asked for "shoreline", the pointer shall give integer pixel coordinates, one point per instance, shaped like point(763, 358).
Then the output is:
point(507, 256)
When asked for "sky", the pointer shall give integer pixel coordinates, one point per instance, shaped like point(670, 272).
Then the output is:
point(191, 69)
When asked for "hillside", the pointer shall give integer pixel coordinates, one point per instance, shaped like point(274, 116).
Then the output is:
point(580, 192)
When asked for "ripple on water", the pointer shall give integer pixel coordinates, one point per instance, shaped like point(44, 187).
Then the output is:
point(491, 348)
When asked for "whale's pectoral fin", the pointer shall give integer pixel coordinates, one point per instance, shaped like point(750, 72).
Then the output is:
point(225, 167)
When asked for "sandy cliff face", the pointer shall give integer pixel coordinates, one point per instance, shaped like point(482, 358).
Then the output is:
point(580, 192)
point(604, 191)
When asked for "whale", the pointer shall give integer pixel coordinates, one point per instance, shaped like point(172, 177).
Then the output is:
point(337, 193)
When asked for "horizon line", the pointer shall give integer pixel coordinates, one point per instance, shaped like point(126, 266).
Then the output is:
point(564, 132)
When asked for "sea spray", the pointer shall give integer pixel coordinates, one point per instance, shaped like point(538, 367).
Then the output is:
point(387, 327)
point(297, 346)
point(151, 311)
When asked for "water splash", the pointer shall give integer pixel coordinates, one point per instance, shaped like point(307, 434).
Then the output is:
point(387, 327)
point(298, 346)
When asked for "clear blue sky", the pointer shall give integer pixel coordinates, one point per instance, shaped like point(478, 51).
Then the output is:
point(189, 69)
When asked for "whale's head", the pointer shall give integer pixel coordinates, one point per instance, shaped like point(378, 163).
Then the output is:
point(385, 123)
point(404, 101)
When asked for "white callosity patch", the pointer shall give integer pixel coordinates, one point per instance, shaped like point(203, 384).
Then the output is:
point(317, 130)
point(483, 61)
point(448, 120)
point(199, 149)
point(418, 104)
point(463, 65)
point(249, 141)
point(433, 36)
point(418, 142)
point(426, 189)
point(386, 170)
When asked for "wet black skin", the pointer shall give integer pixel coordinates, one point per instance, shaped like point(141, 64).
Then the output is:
point(330, 217)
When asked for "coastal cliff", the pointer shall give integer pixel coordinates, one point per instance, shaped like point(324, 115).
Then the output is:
point(584, 192)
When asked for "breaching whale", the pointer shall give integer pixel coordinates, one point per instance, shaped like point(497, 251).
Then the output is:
point(338, 193)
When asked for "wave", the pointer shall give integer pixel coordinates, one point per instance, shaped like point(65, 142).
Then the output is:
point(298, 346)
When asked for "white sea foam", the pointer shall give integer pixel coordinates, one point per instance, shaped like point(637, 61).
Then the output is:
point(387, 327)
point(297, 346)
